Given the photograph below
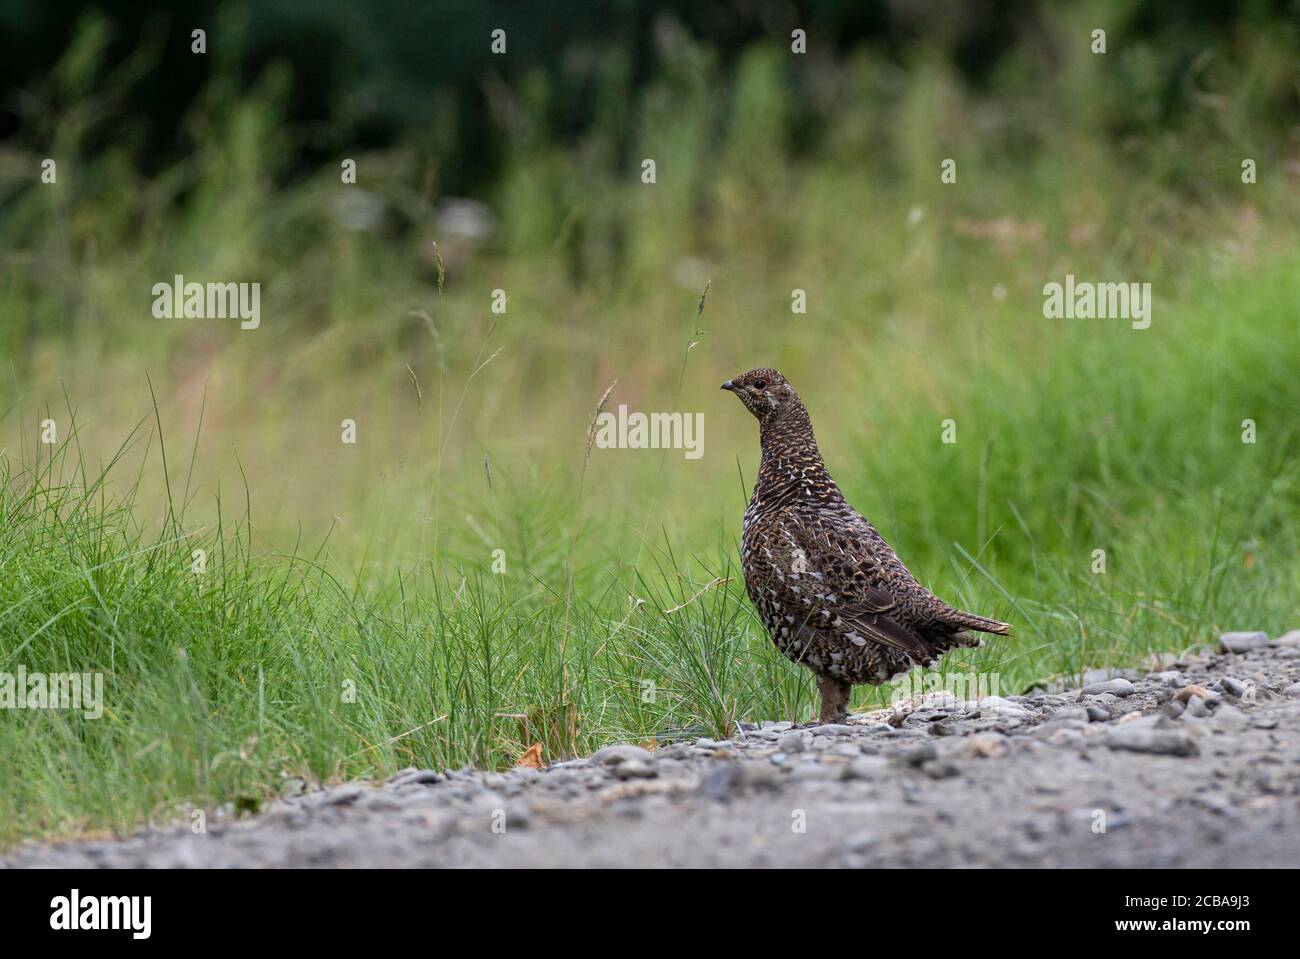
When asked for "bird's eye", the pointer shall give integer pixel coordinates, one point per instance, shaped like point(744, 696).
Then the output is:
point(760, 384)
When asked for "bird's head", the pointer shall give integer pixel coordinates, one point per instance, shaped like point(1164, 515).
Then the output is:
point(765, 393)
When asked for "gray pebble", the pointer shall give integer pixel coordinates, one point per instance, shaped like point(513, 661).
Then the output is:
point(940, 769)
point(518, 814)
point(1004, 707)
point(1048, 729)
point(1162, 742)
point(868, 768)
point(619, 754)
point(1230, 715)
point(636, 769)
point(1115, 687)
point(1233, 686)
point(720, 781)
point(1243, 641)
point(342, 795)
point(571, 764)
point(920, 753)
point(378, 800)
point(833, 729)
point(792, 743)
point(674, 751)
point(407, 777)
point(811, 772)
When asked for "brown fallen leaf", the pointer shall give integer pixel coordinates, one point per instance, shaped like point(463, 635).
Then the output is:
point(532, 757)
point(649, 745)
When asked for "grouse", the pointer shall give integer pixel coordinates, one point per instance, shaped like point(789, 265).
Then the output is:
point(832, 593)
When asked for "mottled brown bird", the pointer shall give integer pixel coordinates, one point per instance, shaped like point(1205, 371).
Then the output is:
point(831, 592)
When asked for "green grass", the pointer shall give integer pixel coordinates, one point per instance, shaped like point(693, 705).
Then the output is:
point(349, 622)
point(221, 683)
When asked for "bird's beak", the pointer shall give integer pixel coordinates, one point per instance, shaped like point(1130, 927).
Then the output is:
point(728, 386)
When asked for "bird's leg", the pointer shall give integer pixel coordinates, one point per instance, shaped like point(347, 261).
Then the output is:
point(835, 694)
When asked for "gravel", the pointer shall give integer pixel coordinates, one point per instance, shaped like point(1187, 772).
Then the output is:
point(1195, 765)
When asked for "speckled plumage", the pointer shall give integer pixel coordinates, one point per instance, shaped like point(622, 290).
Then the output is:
point(832, 593)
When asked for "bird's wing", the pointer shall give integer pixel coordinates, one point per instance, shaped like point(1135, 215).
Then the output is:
point(838, 560)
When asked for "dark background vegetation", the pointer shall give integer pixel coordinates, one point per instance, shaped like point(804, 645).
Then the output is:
point(373, 75)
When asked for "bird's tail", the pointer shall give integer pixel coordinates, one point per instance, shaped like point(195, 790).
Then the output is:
point(965, 620)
